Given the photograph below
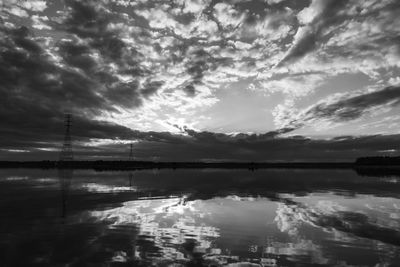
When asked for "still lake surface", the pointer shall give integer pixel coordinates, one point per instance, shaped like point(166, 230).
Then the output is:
point(198, 218)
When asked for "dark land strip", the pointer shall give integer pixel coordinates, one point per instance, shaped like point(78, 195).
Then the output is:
point(364, 166)
point(133, 165)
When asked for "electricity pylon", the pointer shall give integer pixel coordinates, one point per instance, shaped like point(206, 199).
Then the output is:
point(66, 151)
point(131, 152)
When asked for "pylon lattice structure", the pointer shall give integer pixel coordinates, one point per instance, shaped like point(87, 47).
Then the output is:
point(131, 152)
point(66, 151)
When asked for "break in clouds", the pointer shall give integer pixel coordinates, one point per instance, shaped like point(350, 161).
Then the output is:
point(253, 79)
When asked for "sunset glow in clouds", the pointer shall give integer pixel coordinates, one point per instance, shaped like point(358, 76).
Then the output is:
point(207, 79)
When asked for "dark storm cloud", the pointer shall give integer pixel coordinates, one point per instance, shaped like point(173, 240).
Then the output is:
point(272, 145)
point(200, 62)
point(36, 127)
point(347, 108)
point(91, 21)
point(151, 87)
point(35, 91)
point(30, 74)
point(309, 35)
point(126, 94)
point(36, 88)
point(77, 55)
point(97, 49)
point(196, 68)
point(253, 147)
point(273, 142)
point(95, 25)
point(356, 106)
point(212, 137)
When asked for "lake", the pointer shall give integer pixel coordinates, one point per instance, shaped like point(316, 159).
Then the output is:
point(198, 217)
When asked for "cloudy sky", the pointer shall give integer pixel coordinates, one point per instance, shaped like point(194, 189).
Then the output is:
point(201, 79)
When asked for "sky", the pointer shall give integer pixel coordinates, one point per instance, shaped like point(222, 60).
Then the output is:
point(250, 80)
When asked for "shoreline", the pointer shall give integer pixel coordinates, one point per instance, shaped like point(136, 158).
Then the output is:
point(136, 165)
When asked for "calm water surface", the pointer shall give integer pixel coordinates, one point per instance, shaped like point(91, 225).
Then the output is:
point(198, 218)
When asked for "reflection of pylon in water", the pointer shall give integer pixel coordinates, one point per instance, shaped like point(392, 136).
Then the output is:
point(66, 152)
point(130, 179)
point(130, 158)
point(65, 176)
point(131, 152)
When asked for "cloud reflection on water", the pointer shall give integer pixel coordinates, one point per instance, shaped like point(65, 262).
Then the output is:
point(190, 217)
point(167, 223)
point(305, 229)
